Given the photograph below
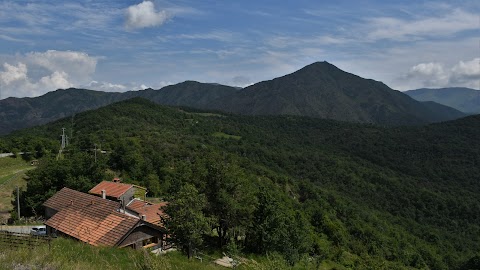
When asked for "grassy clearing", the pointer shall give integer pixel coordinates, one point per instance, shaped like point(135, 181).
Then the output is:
point(226, 136)
point(67, 254)
point(12, 172)
point(206, 114)
point(210, 114)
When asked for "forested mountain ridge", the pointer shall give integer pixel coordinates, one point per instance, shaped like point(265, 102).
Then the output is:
point(319, 90)
point(18, 113)
point(361, 196)
point(324, 91)
point(463, 99)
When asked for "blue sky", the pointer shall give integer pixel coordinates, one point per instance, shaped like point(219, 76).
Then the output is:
point(125, 45)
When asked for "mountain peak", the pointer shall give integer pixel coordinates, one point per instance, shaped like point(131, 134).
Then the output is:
point(321, 64)
point(323, 68)
point(322, 90)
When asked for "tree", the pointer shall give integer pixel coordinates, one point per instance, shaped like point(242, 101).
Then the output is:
point(3, 146)
point(278, 228)
point(152, 182)
point(185, 220)
point(269, 230)
point(78, 171)
point(231, 200)
point(473, 263)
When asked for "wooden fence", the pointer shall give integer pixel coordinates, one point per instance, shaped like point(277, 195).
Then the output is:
point(18, 240)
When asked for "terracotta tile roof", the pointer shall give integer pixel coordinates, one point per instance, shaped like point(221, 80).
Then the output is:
point(93, 224)
point(69, 198)
point(152, 212)
point(136, 203)
point(113, 189)
point(88, 218)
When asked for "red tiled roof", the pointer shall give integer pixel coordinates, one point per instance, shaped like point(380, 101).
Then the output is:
point(93, 224)
point(136, 203)
point(152, 212)
point(88, 218)
point(69, 198)
point(113, 189)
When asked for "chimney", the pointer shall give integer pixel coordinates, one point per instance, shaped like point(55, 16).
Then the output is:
point(104, 194)
point(117, 180)
point(71, 202)
point(144, 217)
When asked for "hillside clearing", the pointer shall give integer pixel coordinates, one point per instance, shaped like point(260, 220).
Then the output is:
point(12, 173)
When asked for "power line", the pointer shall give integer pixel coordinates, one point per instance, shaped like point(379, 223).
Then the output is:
point(63, 138)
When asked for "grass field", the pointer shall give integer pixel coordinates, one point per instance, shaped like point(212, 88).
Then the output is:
point(226, 136)
point(12, 172)
point(205, 114)
point(68, 254)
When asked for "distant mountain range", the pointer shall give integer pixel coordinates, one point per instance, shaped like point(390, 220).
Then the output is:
point(463, 99)
point(324, 91)
point(318, 90)
point(18, 113)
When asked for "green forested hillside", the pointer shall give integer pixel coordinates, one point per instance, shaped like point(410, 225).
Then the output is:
point(350, 195)
point(18, 113)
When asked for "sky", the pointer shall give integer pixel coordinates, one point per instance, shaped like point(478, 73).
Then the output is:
point(129, 45)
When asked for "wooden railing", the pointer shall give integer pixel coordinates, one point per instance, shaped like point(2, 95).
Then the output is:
point(18, 240)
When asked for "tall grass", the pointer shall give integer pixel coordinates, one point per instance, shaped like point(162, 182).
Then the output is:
point(12, 171)
point(67, 254)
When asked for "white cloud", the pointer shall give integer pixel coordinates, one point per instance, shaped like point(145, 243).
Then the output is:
point(57, 79)
point(411, 29)
point(427, 69)
point(105, 86)
point(302, 41)
point(15, 82)
point(436, 75)
point(36, 73)
point(431, 74)
point(241, 81)
point(71, 62)
point(467, 73)
point(9, 38)
point(116, 87)
point(13, 73)
point(144, 15)
point(222, 36)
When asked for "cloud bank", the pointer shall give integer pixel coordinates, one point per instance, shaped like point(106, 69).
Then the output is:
point(464, 73)
point(36, 73)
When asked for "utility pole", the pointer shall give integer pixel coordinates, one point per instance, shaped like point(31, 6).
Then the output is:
point(18, 203)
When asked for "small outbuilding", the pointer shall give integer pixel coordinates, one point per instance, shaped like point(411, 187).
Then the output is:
point(115, 190)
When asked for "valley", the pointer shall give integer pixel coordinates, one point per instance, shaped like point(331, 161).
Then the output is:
point(361, 194)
